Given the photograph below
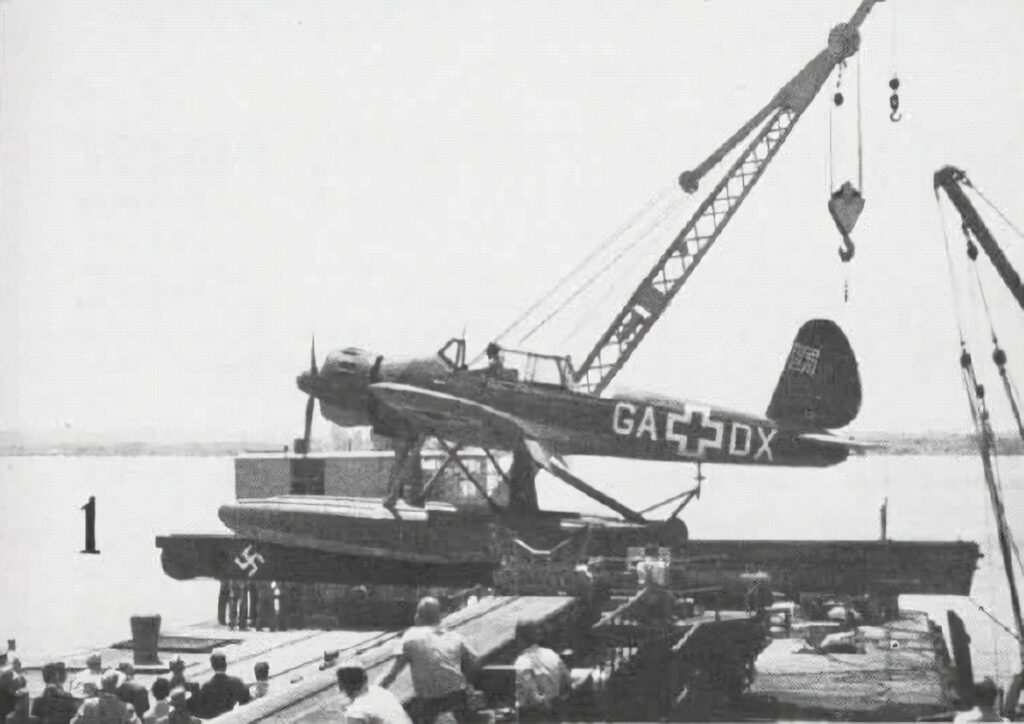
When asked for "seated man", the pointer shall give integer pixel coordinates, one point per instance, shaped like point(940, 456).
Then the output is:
point(495, 364)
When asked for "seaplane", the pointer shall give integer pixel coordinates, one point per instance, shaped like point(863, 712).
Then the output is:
point(528, 404)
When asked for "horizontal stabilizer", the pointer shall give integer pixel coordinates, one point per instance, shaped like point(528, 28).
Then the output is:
point(847, 442)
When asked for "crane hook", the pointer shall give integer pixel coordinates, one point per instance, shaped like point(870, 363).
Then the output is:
point(847, 249)
point(894, 100)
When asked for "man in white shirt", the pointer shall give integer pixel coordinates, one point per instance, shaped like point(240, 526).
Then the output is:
point(368, 703)
point(87, 682)
point(542, 678)
point(439, 661)
point(652, 575)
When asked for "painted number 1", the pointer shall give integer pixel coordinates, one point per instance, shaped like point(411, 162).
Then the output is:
point(90, 526)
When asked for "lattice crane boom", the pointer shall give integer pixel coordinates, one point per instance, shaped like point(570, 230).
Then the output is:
point(670, 272)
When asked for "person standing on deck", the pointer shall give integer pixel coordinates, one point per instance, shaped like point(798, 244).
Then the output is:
point(222, 692)
point(223, 601)
point(440, 662)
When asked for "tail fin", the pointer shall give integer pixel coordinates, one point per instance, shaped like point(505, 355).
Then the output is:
point(819, 386)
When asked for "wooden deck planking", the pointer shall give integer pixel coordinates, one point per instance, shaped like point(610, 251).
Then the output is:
point(487, 626)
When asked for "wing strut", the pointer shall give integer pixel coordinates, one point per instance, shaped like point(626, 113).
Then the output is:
point(628, 513)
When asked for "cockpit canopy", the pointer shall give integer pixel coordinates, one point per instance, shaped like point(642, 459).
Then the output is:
point(515, 365)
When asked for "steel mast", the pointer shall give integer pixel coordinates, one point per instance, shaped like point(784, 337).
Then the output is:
point(949, 179)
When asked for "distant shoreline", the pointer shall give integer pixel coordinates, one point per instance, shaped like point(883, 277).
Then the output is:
point(12, 446)
point(136, 449)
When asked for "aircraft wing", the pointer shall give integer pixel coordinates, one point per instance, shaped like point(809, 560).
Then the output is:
point(848, 442)
point(463, 420)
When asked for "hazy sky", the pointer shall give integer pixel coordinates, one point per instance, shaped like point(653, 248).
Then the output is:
point(190, 189)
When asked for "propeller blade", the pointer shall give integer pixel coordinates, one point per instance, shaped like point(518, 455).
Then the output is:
point(309, 420)
point(312, 355)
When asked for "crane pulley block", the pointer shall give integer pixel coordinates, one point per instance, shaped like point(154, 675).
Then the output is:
point(845, 207)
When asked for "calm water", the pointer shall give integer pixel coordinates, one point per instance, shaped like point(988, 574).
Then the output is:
point(55, 599)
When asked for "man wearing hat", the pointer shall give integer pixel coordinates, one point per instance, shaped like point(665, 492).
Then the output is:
point(368, 703)
point(86, 683)
point(178, 680)
point(106, 706)
point(179, 713)
point(54, 706)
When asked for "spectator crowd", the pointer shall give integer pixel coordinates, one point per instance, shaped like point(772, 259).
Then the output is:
point(96, 695)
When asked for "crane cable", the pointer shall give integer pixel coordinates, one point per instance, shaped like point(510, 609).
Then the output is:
point(995, 208)
point(995, 620)
point(957, 301)
point(998, 355)
point(604, 244)
point(649, 229)
point(980, 417)
point(860, 144)
point(610, 287)
point(838, 100)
